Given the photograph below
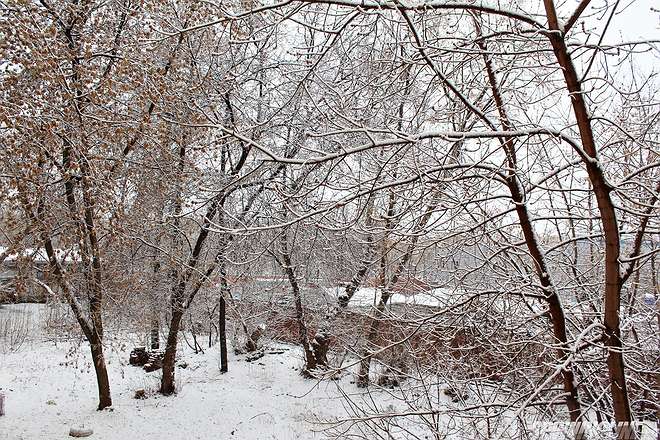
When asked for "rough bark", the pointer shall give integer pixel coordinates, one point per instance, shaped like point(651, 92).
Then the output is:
point(154, 333)
point(320, 346)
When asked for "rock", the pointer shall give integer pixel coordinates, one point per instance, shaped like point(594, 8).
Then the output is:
point(148, 360)
point(140, 394)
point(152, 366)
point(80, 432)
point(280, 351)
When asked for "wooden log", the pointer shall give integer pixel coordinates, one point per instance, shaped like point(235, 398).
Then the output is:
point(80, 432)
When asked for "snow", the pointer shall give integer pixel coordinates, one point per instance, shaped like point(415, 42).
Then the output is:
point(39, 255)
point(369, 296)
point(50, 387)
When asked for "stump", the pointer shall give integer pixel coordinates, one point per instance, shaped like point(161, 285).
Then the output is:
point(154, 362)
point(320, 345)
point(251, 344)
point(139, 356)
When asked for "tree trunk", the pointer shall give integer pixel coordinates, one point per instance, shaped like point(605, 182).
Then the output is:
point(320, 346)
point(310, 359)
point(363, 374)
point(102, 380)
point(222, 304)
point(222, 332)
point(602, 190)
point(92, 329)
point(155, 332)
point(362, 380)
point(556, 310)
point(286, 264)
point(167, 385)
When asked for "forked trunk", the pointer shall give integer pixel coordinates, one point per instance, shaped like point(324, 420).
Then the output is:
point(310, 359)
point(287, 266)
point(362, 380)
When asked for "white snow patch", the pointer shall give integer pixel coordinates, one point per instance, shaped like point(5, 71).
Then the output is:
point(370, 296)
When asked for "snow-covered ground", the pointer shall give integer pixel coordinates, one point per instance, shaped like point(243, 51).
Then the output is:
point(369, 296)
point(50, 387)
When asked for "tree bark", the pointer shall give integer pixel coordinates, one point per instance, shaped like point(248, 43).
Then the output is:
point(602, 191)
point(102, 381)
point(92, 328)
point(167, 384)
point(362, 380)
point(285, 262)
point(222, 333)
point(154, 325)
point(155, 332)
point(222, 304)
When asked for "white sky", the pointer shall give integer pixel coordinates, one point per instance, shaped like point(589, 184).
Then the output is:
point(634, 19)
